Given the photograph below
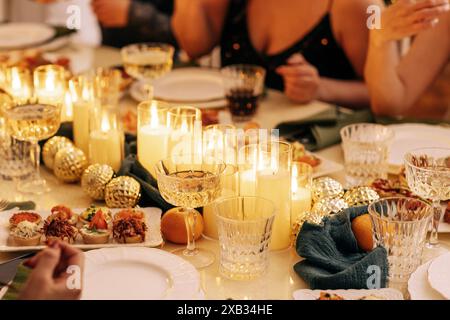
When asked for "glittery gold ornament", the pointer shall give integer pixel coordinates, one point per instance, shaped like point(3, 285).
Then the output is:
point(51, 148)
point(360, 196)
point(70, 164)
point(94, 180)
point(327, 206)
point(122, 192)
point(326, 188)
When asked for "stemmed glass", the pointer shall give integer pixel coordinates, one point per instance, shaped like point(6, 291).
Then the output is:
point(428, 176)
point(147, 61)
point(33, 122)
point(189, 183)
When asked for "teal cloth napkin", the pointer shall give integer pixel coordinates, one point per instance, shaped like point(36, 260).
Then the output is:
point(151, 197)
point(26, 205)
point(333, 259)
point(323, 129)
point(17, 284)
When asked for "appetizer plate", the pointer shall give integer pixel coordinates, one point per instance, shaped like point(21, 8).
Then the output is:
point(414, 136)
point(24, 35)
point(138, 274)
point(379, 294)
point(439, 275)
point(418, 286)
point(153, 237)
point(326, 167)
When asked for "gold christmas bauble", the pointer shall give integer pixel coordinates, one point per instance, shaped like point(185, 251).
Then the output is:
point(122, 192)
point(51, 148)
point(70, 164)
point(94, 180)
point(326, 188)
point(361, 196)
point(327, 206)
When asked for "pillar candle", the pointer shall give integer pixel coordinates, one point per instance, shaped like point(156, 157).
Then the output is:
point(153, 146)
point(106, 147)
point(81, 126)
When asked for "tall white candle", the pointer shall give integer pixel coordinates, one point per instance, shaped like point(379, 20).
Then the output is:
point(209, 217)
point(277, 188)
point(106, 148)
point(153, 146)
point(247, 183)
point(81, 126)
point(301, 203)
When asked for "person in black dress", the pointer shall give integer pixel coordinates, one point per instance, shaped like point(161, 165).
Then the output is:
point(310, 49)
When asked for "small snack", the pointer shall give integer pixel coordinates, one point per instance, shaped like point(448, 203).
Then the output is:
point(129, 230)
point(447, 213)
point(87, 215)
point(58, 228)
point(26, 234)
point(329, 296)
point(129, 213)
point(96, 232)
point(64, 213)
point(299, 154)
point(24, 216)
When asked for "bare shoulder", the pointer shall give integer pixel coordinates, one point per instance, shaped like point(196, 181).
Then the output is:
point(348, 10)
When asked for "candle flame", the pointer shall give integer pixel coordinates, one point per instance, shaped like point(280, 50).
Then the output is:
point(184, 126)
point(16, 83)
point(68, 105)
point(50, 81)
point(294, 177)
point(105, 126)
point(154, 119)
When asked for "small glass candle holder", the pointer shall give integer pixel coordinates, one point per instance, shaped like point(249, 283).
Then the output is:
point(18, 84)
point(185, 124)
point(153, 134)
point(50, 84)
point(301, 202)
point(107, 83)
point(220, 141)
point(106, 138)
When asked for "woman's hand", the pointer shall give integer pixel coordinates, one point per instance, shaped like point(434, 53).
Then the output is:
point(301, 80)
point(406, 18)
point(112, 13)
point(50, 278)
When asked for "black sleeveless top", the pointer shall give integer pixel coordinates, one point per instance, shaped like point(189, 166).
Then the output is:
point(319, 47)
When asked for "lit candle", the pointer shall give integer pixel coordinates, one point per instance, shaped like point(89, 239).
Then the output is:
point(276, 186)
point(153, 141)
point(67, 111)
point(19, 89)
point(82, 100)
point(106, 145)
point(247, 183)
point(301, 196)
point(49, 84)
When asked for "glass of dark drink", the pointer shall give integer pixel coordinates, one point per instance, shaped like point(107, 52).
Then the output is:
point(244, 85)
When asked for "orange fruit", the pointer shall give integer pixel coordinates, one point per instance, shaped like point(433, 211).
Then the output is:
point(173, 226)
point(362, 229)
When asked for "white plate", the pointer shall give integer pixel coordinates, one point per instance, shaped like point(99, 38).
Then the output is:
point(138, 274)
point(326, 167)
point(439, 275)
point(383, 294)
point(414, 136)
point(153, 237)
point(24, 35)
point(418, 286)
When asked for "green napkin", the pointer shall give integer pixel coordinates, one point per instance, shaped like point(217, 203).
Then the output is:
point(151, 197)
point(333, 259)
point(18, 283)
point(323, 129)
point(26, 205)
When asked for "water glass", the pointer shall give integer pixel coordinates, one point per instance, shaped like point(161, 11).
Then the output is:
point(400, 225)
point(245, 229)
point(366, 150)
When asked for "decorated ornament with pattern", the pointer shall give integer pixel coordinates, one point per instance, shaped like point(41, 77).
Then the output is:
point(361, 196)
point(70, 164)
point(326, 188)
point(327, 206)
point(122, 192)
point(94, 180)
point(51, 148)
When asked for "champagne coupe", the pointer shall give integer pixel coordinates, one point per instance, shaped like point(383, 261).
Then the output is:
point(33, 122)
point(428, 176)
point(190, 184)
point(148, 61)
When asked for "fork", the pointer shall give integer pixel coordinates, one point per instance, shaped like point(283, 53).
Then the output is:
point(3, 204)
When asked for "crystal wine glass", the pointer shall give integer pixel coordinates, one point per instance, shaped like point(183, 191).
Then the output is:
point(190, 184)
point(147, 61)
point(33, 122)
point(428, 176)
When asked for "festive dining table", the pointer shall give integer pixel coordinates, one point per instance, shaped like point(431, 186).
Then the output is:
point(281, 280)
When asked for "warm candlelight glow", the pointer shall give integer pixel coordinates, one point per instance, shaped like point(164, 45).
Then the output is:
point(154, 118)
point(294, 178)
point(105, 125)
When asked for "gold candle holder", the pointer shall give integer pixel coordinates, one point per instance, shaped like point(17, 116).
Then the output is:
point(50, 84)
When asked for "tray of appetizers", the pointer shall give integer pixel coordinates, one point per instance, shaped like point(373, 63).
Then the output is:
point(90, 228)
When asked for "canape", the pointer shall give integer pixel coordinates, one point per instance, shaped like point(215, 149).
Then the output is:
point(26, 234)
point(64, 213)
point(130, 213)
point(59, 229)
point(24, 216)
point(86, 216)
point(96, 231)
point(129, 230)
